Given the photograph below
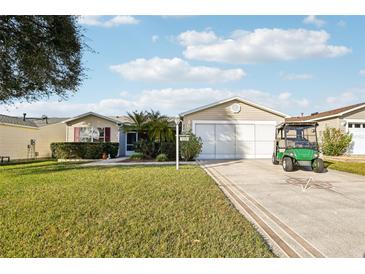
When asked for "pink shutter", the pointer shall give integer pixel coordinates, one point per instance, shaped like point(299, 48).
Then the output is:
point(76, 134)
point(107, 134)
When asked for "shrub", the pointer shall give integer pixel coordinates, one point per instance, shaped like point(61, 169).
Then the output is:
point(162, 157)
point(335, 142)
point(168, 148)
point(189, 150)
point(78, 150)
point(146, 148)
point(137, 156)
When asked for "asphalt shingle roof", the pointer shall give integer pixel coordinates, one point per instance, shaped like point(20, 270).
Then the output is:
point(29, 122)
point(16, 121)
point(324, 113)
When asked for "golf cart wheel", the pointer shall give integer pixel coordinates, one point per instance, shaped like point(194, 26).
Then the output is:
point(288, 164)
point(318, 165)
point(274, 160)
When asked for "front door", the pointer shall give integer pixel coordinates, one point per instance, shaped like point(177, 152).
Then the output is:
point(131, 140)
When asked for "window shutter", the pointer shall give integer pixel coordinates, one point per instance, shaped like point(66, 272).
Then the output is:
point(107, 134)
point(76, 134)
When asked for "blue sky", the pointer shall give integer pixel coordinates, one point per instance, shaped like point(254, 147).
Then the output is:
point(293, 64)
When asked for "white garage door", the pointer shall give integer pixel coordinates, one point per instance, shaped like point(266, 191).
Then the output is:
point(236, 141)
point(358, 137)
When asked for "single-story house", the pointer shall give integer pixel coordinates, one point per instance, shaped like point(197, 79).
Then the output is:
point(27, 138)
point(349, 119)
point(230, 129)
point(93, 127)
point(234, 128)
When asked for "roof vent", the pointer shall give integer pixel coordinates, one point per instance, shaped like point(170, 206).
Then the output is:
point(44, 117)
point(314, 113)
point(24, 114)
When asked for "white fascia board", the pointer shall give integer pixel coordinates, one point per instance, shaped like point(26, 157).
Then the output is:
point(91, 114)
point(335, 115)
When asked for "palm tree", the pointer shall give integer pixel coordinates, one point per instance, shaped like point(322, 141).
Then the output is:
point(138, 123)
point(159, 127)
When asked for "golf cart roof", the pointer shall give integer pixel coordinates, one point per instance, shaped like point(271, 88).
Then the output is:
point(298, 124)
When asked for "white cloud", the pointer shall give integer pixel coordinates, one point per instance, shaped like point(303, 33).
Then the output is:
point(312, 19)
point(295, 76)
point(260, 45)
point(96, 20)
point(174, 70)
point(155, 38)
point(169, 101)
point(362, 72)
point(348, 97)
point(192, 37)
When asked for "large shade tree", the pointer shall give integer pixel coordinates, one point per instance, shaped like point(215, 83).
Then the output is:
point(40, 56)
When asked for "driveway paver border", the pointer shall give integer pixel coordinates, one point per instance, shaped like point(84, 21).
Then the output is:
point(284, 240)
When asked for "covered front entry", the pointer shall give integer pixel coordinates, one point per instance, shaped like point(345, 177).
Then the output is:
point(235, 139)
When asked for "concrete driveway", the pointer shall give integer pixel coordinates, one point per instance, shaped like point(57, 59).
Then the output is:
point(322, 217)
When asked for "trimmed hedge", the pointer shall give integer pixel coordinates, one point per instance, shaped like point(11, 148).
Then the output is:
point(78, 150)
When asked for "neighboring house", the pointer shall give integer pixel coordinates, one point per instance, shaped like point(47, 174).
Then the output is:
point(234, 129)
point(28, 138)
point(93, 127)
point(349, 119)
point(24, 138)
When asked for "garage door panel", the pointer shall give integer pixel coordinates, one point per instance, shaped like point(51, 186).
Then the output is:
point(245, 132)
point(245, 149)
point(264, 132)
point(264, 149)
point(225, 156)
point(208, 147)
point(225, 141)
point(232, 141)
point(205, 131)
point(358, 140)
point(225, 133)
point(225, 147)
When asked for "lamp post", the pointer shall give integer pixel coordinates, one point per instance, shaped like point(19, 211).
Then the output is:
point(177, 123)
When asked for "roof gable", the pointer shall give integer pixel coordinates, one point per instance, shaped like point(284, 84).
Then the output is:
point(235, 99)
point(92, 114)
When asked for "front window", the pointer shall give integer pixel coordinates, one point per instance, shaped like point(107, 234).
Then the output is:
point(301, 137)
point(91, 134)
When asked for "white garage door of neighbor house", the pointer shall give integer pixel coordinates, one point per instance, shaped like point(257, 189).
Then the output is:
point(358, 137)
point(236, 141)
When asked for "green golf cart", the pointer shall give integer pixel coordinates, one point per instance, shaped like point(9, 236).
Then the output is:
point(296, 145)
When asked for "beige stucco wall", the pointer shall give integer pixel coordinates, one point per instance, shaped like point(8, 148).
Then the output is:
point(335, 122)
point(359, 114)
point(92, 121)
point(47, 135)
point(223, 112)
point(14, 140)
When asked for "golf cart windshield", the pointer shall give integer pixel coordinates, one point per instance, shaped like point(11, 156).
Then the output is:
point(301, 137)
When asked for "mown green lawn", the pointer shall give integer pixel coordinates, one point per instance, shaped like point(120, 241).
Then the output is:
point(353, 167)
point(62, 210)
